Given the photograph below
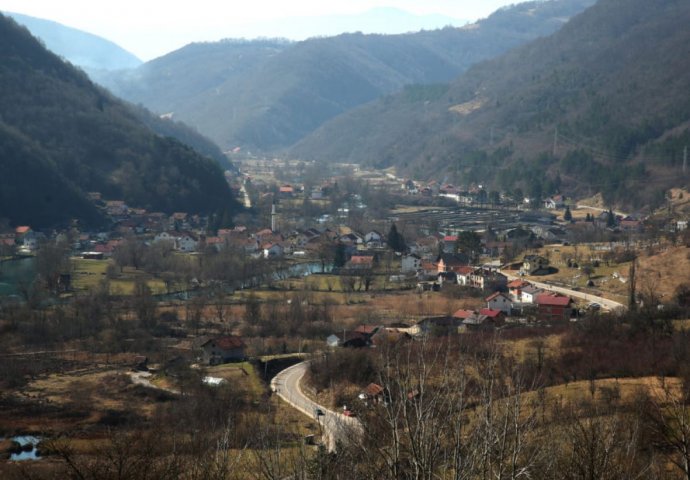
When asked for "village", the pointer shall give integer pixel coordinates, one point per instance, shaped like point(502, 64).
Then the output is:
point(344, 267)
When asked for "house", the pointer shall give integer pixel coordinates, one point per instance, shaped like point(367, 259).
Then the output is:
point(497, 316)
point(428, 270)
point(548, 233)
point(463, 314)
point(554, 308)
point(681, 225)
point(286, 191)
point(374, 239)
point(317, 193)
point(438, 325)
point(533, 265)
point(515, 289)
point(410, 263)
point(186, 242)
point(449, 262)
point(499, 301)
point(223, 349)
point(482, 321)
point(630, 224)
point(165, 237)
point(464, 275)
point(530, 293)
point(488, 279)
point(273, 250)
point(449, 243)
point(557, 201)
point(361, 262)
point(425, 246)
point(373, 394)
point(350, 239)
point(27, 238)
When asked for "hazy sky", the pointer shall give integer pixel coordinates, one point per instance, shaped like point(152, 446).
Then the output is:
point(150, 28)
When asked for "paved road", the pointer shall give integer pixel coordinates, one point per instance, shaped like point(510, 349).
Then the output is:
point(336, 427)
point(604, 302)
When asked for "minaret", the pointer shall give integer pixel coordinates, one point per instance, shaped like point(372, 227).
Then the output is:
point(273, 217)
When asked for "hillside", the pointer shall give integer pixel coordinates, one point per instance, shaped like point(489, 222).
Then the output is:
point(597, 106)
point(80, 48)
point(269, 94)
point(61, 136)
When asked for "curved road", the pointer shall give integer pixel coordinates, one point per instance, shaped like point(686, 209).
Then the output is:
point(336, 427)
point(604, 302)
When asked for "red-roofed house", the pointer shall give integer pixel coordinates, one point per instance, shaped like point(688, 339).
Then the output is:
point(499, 301)
point(361, 262)
point(463, 314)
point(373, 393)
point(554, 308)
point(286, 190)
point(222, 350)
point(496, 315)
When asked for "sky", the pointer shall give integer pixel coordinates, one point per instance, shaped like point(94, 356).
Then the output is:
point(150, 28)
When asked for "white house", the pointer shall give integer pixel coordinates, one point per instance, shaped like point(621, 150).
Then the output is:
point(373, 239)
point(411, 263)
point(499, 301)
point(557, 201)
point(186, 242)
point(529, 294)
point(181, 241)
point(164, 237)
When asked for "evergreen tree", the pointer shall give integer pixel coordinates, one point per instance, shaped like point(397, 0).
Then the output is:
point(610, 218)
point(395, 239)
point(567, 216)
point(470, 244)
point(339, 259)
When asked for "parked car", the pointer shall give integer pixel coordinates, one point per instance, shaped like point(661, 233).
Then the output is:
point(349, 413)
point(318, 413)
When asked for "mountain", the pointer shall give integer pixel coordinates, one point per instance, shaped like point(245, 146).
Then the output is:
point(600, 105)
point(269, 94)
point(80, 48)
point(382, 20)
point(62, 136)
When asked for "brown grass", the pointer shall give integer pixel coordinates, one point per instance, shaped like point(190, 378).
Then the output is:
point(665, 271)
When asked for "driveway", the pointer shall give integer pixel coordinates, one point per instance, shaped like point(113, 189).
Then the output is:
point(336, 427)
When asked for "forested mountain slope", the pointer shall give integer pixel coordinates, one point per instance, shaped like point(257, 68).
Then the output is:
point(61, 136)
point(601, 105)
point(268, 94)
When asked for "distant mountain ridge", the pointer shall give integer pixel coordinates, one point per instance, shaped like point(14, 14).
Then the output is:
point(600, 105)
point(80, 48)
point(61, 136)
point(377, 20)
point(267, 95)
